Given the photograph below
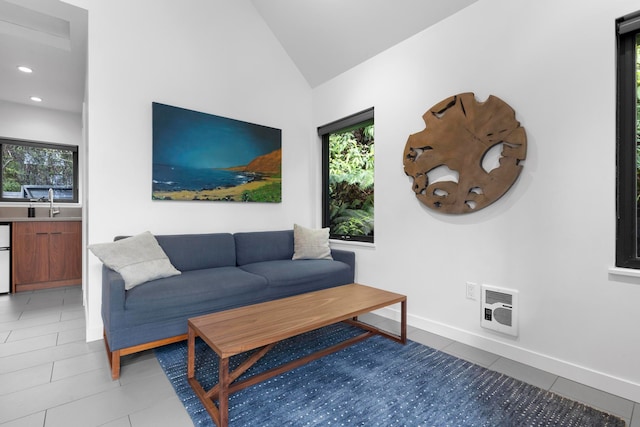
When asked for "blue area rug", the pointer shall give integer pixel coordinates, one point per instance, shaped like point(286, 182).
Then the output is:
point(376, 382)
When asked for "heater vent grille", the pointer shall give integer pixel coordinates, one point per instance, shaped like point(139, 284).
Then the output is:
point(503, 316)
point(494, 297)
point(499, 310)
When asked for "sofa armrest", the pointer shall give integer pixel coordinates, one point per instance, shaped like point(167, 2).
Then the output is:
point(113, 294)
point(348, 257)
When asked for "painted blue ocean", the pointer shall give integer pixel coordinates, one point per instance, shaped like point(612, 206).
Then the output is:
point(175, 178)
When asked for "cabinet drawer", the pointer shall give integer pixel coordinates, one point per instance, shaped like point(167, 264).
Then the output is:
point(45, 227)
point(64, 227)
point(35, 227)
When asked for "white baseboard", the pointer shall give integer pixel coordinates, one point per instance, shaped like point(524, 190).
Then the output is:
point(581, 374)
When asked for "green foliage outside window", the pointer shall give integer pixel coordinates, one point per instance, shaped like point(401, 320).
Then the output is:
point(351, 181)
point(30, 165)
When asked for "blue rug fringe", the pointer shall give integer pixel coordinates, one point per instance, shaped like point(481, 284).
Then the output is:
point(374, 383)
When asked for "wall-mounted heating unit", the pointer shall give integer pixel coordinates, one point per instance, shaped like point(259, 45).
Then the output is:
point(499, 309)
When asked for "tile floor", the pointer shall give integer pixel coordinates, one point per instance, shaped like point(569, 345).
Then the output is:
point(49, 375)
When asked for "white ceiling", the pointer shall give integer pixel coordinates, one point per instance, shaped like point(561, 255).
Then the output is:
point(327, 37)
point(51, 38)
point(324, 38)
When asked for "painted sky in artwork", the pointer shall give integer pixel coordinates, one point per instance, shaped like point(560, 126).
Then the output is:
point(192, 139)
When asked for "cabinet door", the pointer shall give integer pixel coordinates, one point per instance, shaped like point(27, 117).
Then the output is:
point(30, 253)
point(65, 251)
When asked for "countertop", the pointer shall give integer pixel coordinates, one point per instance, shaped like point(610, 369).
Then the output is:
point(41, 219)
point(20, 214)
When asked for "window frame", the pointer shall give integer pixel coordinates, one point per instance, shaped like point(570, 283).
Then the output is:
point(45, 145)
point(324, 132)
point(627, 28)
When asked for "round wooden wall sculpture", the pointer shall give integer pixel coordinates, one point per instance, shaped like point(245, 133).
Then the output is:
point(459, 133)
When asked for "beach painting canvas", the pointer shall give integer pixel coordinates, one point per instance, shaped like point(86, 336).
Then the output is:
point(204, 157)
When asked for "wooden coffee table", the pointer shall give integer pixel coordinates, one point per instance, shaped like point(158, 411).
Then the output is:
point(263, 325)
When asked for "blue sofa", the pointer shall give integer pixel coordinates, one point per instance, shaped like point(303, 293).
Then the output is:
point(219, 271)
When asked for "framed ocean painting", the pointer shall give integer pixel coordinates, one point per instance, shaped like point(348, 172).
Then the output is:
point(204, 157)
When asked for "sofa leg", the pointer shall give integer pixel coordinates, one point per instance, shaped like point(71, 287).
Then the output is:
point(114, 359)
point(115, 364)
point(116, 355)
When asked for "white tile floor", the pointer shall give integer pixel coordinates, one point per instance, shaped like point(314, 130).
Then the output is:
point(49, 376)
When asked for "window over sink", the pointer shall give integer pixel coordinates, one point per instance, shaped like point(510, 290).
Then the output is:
point(30, 169)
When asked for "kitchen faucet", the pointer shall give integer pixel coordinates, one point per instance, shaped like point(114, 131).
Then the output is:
point(52, 211)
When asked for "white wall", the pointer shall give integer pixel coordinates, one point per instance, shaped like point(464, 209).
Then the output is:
point(21, 121)
point(552, 236)
point(217, 57)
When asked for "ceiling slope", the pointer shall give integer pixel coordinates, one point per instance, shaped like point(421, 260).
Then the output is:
point(325, 38)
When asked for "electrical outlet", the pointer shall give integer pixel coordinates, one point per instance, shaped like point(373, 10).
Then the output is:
point(472, 292)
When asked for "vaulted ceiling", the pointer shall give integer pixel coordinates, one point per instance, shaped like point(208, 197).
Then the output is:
point(327, 37)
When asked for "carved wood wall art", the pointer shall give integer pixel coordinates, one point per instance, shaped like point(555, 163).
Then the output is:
point(459, 133)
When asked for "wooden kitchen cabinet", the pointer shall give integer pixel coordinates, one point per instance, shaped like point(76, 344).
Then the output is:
point(46, 254)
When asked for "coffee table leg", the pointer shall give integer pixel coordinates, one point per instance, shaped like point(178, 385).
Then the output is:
point(191, 353)
point(403, 321)
point(223, 396)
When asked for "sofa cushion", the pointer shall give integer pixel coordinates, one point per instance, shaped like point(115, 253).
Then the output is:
point(262, 246)
point(196, 292)
point(310, 244)
point(138, 259)
point(199, 251)
point(306, 274)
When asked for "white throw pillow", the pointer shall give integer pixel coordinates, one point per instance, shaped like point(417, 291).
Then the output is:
point(138, 259)
point(310, 244)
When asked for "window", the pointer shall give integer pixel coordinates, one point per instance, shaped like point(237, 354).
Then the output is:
point(347, 177)
point(30, 169)
point(628, 138)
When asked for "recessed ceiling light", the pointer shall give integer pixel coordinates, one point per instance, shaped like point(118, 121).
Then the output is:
point(36, 99)
point(25, 69)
